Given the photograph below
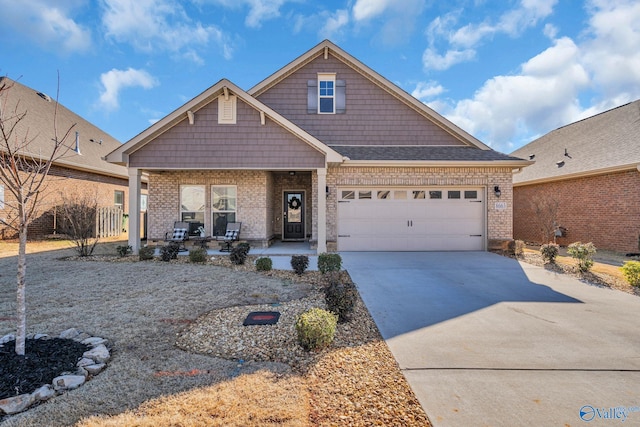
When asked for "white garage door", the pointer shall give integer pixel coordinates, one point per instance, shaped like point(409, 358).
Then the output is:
point(411, 219)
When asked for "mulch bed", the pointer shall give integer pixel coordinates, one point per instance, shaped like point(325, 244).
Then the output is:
point(44, 360)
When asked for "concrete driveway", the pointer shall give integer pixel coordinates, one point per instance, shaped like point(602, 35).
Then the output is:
point(486, 340)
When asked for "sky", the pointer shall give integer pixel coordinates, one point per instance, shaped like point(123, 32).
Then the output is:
point(505, 71)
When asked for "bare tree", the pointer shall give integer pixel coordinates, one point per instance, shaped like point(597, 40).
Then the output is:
point(545, 208)
point(78, 221)
point(23, 172)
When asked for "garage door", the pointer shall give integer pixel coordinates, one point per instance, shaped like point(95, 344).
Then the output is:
point(411, 219)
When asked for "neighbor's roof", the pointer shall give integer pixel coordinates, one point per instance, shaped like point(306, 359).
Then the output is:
point(452, 154)
point(606, 142)
point(38, 124)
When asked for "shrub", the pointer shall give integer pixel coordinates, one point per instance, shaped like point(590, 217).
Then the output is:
point(198, 255)
point(316, 329)
point(518, 249)
point(264, 264)
point(123, 251)
point(631, 272)
point(583, 253)
point(299, 263)
point(549, 252)
point(238, 255)
point(146, 253)
point(340, 299)
point(244, 246)
point(329, 262)
point(170, 251)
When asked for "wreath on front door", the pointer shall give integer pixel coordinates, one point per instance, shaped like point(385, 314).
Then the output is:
point(294, 203)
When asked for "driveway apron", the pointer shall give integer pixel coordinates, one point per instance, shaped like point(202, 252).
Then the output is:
point(485, 340)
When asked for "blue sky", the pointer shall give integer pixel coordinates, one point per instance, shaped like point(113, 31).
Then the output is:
point(505, 71)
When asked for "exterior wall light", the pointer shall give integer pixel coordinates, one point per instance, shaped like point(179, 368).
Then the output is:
point(496, 191)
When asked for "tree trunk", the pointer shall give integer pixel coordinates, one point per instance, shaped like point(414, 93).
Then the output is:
point(21, 307)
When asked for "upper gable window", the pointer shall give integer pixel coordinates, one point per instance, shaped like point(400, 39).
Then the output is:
point(326, 95)
point(227, 109)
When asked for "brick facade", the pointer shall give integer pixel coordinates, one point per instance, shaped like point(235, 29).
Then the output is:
point(71, 183)
point(603, 209)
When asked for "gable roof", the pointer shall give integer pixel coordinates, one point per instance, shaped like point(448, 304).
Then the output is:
point(38, 123)
point(121, 154)
point(606, 142)
point(326, 47)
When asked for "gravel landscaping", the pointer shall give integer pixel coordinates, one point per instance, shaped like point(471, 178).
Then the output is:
point(176, 333)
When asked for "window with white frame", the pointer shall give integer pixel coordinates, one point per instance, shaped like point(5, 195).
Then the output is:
point(118, 199)
point(192, 203)
point(224, 205)
point(326, 95)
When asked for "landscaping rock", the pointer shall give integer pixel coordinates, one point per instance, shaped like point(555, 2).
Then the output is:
point(69, 334)
point(95, 369)
point(45, 392)
point(5, 339)
point(68, 382)
point(99, 353)
point(94, 341)
point(13, 405)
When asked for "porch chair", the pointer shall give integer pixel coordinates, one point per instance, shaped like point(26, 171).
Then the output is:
point(179, 235)
point(231, 235)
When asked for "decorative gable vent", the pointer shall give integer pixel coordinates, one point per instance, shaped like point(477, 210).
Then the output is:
point(227, 109)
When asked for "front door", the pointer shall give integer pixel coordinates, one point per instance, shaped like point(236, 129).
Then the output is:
point(293, 215)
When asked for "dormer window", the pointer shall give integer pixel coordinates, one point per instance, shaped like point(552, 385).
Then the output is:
point(326, 95)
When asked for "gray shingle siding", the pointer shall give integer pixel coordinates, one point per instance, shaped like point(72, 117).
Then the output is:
point(247, 144)
point(372, 117)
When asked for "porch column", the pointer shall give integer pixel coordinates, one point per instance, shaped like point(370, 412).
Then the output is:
point(134, 208)
point(322, 210)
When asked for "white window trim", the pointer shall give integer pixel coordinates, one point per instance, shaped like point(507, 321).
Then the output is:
point(325, 77)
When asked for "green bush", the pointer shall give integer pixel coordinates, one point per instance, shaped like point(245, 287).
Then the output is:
point(631, 272)
point(264, 264)
point(123, 251)
point(170, 251)
point(238, 255)
point(146, 253)
point(245, 246)
point(549, 252)
point(329, 262)
point(583, 253)
point(299, 263)
point(316, 329)
point(340, 299)
point(198, 255)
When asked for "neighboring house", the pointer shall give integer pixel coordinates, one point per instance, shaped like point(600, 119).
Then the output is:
point(80, 171)
point(328, 151)
point(588, 172)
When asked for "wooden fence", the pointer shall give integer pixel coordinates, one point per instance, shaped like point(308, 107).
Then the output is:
point(109, 222)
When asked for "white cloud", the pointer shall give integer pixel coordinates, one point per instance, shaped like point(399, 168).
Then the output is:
point(427, 90)
point(334, 24)
point(160, 25)
point(462, 42)
point(367, 9)
point(259, 10)
point(51, 26)
point(433, 61)
point(542, 97)
point(114, 81)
